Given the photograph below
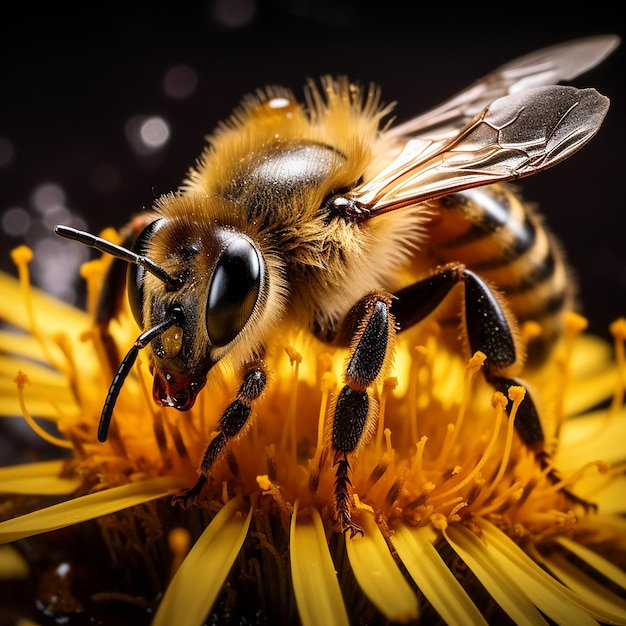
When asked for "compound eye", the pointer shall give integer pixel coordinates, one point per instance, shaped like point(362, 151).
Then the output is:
point(136, 273)
point(234, 291)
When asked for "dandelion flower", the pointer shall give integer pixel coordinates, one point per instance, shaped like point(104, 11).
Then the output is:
point(461, 523)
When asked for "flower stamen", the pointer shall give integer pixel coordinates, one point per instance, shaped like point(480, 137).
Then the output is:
point(419, 363)
point(21, 257)
point(499, 402)
point(289, 430)
point(471, 369)
point(389, 384)
point(21, 380)
point(575, 324)
point(602, 466)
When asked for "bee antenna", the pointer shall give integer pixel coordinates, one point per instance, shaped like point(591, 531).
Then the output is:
point(124, 369)
point(87, 239)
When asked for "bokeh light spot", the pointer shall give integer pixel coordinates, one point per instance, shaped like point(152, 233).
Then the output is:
point(47, 195)
point(234, 13)
point(147, 134)
point(57, 214)
point(56, 265)
point(155, 132)
point(7, 151)
point(15, 221)
point(180, 81)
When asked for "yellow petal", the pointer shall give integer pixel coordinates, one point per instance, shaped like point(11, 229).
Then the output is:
point(496, 581)
point(58, 315)
point(595, 597)
point(10, 406)
point(200, 577)
point(378, 575)
point(599, 563)
point(595, 435)
point(608, 492)
point(37, 478)
point(547, 594)
point(433, 577)
point(315, 583)
point(591, 391)
point(20, 345)
point(13, 566)
point(37, 373)
point(88, 507)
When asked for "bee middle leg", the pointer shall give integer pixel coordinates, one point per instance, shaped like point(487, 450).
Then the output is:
point(369, 328)
point(232, 421)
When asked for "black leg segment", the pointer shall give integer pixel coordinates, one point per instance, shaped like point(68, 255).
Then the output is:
point(527, 420)
point(487, 325)
point(236, 414)
point(372, 329)
point(488, 328)
point(233, 420)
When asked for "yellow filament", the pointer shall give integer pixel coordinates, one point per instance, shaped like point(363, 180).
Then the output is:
point(416, 474)
point(95, 337)
point(388, 385)
point(529, 331)
point(499, 402)
point(516, 394)
point(418, 361)
point(20, 380)
point(65, 346)
point(574, 325)
point(329, 383)
point(602, 466)
point(22, 256)
point(289, 431)
point(92, 272)
point(472, 368)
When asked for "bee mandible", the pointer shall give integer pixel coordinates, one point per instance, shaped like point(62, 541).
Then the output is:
point(318, 213)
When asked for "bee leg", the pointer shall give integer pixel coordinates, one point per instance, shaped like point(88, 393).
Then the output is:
point(488, 329)
point(372, 329)
point(528, 427)
point(487, 326)
point(232, 422)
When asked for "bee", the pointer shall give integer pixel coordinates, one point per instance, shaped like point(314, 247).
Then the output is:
point(325, 214)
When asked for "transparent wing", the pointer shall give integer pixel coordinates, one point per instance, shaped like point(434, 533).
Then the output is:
point(515, 136)
point(548, 66)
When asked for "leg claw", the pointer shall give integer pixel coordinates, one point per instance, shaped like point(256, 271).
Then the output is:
point(191, 495)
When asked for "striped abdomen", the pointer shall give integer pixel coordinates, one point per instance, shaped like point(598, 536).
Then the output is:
point(493, 232)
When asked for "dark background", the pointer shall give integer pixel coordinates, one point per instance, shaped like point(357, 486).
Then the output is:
point(72, 78)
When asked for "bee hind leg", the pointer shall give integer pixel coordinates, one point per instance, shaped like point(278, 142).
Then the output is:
point(528, 427)
point(371, 328)
point(234, 419)
point(488, 329)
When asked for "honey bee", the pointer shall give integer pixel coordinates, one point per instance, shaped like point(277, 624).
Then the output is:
point(318, 212)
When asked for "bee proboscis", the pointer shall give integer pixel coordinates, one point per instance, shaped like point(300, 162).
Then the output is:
point(319, 212)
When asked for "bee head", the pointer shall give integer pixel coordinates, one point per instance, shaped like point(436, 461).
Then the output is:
point(220, 288)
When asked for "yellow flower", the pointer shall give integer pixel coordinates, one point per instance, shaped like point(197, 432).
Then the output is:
point(461, 523)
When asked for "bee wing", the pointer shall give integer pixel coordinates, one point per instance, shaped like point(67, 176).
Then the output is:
point(548, 66)
point(514, 136)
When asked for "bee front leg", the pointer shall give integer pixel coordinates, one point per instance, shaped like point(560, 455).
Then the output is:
point(372, 329)
point(234, 419)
